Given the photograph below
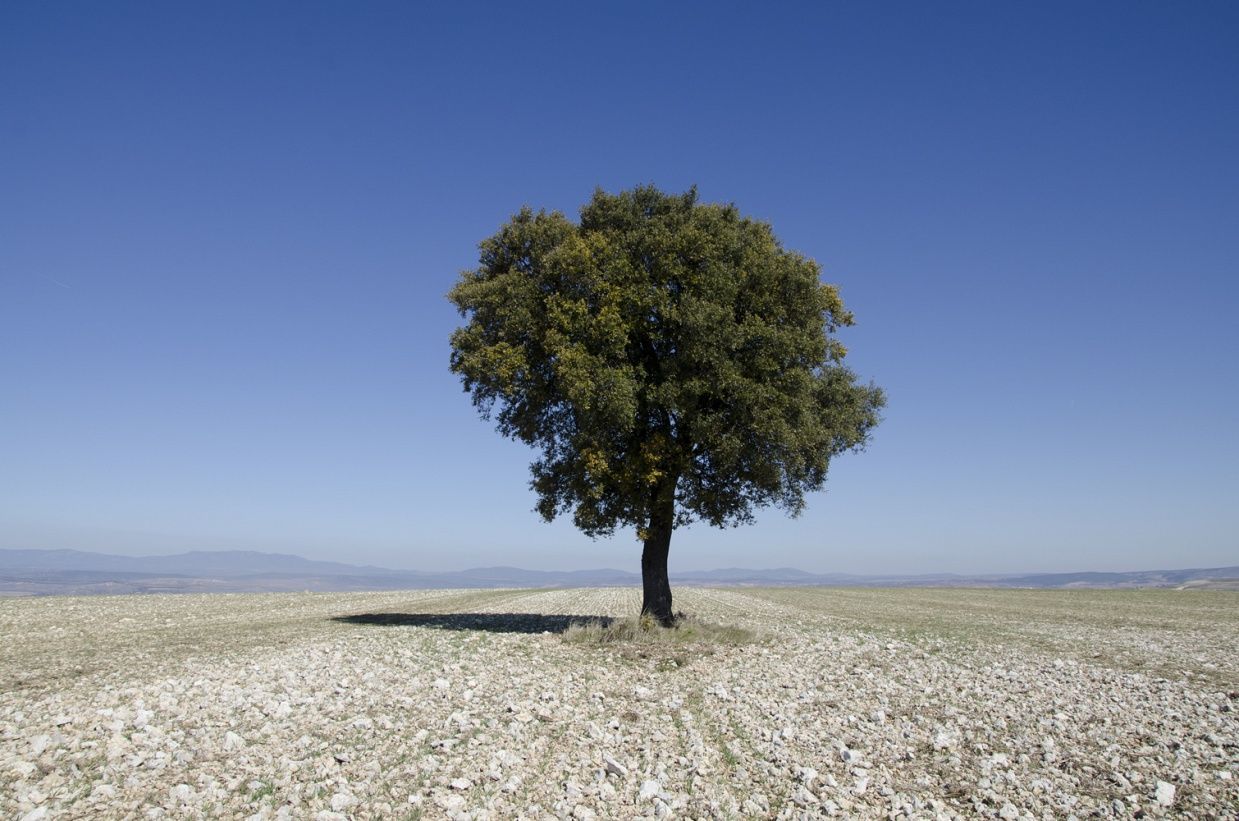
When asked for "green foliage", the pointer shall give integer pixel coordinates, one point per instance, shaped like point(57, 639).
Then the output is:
point(660, 345)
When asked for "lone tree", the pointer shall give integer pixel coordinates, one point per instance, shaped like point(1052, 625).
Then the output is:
point(670, 360)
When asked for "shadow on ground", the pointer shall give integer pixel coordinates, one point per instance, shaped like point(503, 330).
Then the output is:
point(488, 622)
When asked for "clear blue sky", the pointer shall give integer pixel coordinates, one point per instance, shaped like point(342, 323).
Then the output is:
point(226, 231)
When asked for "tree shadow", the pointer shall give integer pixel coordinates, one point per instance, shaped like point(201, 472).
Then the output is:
point(485, 622)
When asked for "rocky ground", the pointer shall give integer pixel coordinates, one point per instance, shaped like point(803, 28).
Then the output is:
point(470, 704)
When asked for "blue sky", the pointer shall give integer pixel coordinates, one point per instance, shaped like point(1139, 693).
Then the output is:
point(226, 232)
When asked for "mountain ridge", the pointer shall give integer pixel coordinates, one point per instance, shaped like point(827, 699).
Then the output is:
point(61, 572)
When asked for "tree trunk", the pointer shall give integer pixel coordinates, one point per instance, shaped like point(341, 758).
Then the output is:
point(656, 587)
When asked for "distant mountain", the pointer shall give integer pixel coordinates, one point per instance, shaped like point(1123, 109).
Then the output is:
point(515, 576)
point(61, 572)
point(738, 575)
point(223, 563)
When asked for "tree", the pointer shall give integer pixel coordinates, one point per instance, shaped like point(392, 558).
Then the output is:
point(670, 360)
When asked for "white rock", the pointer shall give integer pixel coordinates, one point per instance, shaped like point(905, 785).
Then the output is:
point(803, 797)
point(452, 802)
point(1165, 793)
point(341, 801)
point(614, 767)
point(232, 741)
point(461, 783)
point(649, 790)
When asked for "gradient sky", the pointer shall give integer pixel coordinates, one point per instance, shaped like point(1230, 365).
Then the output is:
point(226, 232)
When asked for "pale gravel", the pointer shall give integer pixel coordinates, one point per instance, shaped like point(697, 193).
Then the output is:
point(266, 706)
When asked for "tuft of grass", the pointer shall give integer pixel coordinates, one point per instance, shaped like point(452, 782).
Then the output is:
point(643, 630)
point(260, 790)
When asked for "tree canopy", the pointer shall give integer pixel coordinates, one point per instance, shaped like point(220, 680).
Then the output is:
point(670, 360)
